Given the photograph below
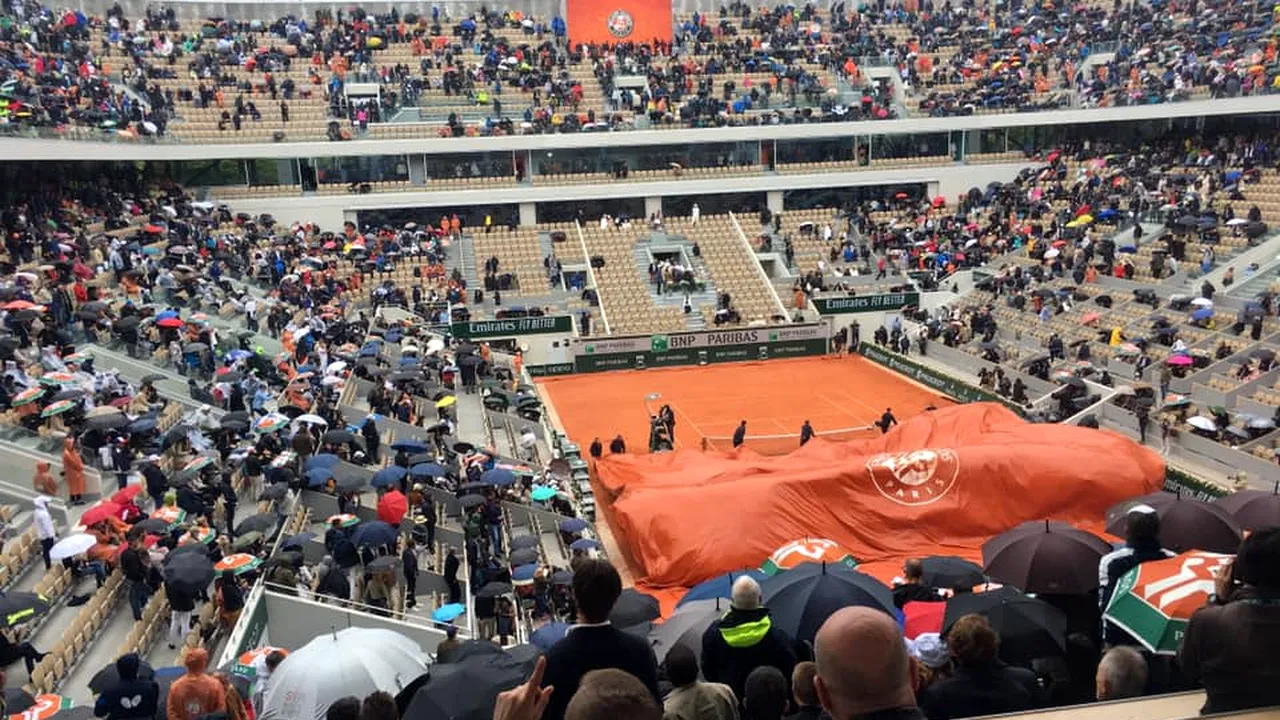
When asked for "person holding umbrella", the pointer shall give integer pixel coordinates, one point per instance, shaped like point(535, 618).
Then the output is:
point(744, 639)
point(129, 698)
point(1229, 645)
point(1142, 544)
point(982, 684)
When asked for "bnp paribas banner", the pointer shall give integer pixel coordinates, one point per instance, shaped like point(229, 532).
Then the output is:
point(699, 347)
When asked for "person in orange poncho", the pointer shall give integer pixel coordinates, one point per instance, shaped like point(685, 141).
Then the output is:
point(73, 471)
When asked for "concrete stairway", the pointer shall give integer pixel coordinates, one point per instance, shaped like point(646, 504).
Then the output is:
point(694, 321)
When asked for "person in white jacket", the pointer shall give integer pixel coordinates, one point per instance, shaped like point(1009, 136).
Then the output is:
point(44, 528)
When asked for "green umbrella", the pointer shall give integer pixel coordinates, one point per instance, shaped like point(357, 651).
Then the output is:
point(1154, 601)
point(58, 408)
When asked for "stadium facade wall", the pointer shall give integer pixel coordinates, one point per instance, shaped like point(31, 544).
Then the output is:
point(331, 211)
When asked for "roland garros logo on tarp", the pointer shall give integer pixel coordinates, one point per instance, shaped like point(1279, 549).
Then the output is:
point(621, 23)
point(919, 477)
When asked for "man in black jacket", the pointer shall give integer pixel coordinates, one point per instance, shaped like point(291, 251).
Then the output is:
point(130, 698)
point(1142, 544)
point(451, 566)
point(982, 684)
point(157, 483)
point(409, 560)
point(593, 643)
point(133, 563)
point(743, 640)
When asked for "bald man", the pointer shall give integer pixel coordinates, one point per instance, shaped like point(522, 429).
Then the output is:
point(864, 671)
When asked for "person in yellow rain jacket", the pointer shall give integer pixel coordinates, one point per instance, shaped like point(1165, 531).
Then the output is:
point(1116, 337)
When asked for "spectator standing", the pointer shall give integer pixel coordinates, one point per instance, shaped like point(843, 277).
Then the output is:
point(409, 560)
point(593, 643)
point(134, 563)
point(1229, 646)
point(803, 692)
point(264, 667)
point(765, 696)
point(44, 528)
point(691, 698)
point(129, 698)
point(181, 604)
point(982, 684)
point(912, 587)
point(863, 671)
point(612, 694)
point(197, 693)
point(1142, 544)
point(379, 705)
point(1122, 673)
point(744, 639)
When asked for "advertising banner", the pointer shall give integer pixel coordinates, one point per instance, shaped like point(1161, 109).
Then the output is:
point(617, 21)
point(952, 387)
point(865, 303)
point(512, 327)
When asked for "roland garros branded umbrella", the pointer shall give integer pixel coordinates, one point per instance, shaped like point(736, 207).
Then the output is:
point(239, 563)
point(807, 550)
point(1154, 601)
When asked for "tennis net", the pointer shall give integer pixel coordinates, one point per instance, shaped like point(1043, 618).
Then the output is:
point(786, 442)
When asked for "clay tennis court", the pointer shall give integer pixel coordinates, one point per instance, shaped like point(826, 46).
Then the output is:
point(774, 397)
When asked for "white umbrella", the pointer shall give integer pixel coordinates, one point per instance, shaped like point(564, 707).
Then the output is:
point(336, 367)
point(352, 662)
point(71, 546)
point(435, 345)
point(1202, 302)
point(311, 419)
point(1051, 253)
point(408, 350)
point(331, 380)
point(1201, 422)
point(1238, 221)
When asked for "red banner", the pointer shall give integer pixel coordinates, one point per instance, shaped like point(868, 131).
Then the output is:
point(616, 21)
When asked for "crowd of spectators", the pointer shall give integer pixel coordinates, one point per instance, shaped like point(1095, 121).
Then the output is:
point(742, 65)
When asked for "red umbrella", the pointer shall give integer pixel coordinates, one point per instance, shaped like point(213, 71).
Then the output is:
point(923, 617)
point(392, 507)
point(126, 495)
point(19, 305)
point(171, 322)
point(939, 201)
point(121, 401)
point(99, 512)
point(152, 228)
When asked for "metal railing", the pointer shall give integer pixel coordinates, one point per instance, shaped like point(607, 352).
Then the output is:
point(591, 274)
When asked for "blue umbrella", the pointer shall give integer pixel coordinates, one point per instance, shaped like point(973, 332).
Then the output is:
point(1107, 214)
point(166, 314)
point(499, 477)
point(524, 572)
point(542, 492)
point(318, 476)
point(584, 544)
point(719, 586)
point(573, 525)
point(408, 362)
point(1202, 314)
point(298, 540)
point(239, 355)
point(388, 476)
point(143, 424)
point(410, 446)
point(548, 635)
point(448, 613)
point(323, 460)
point(375, 533)
point(427, 470)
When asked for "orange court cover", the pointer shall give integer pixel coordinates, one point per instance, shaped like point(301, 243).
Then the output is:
point(940, 483)
point(615, 21)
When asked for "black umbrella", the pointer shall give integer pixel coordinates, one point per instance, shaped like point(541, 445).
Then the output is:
point(72, 394)
point(562, 577)
point(153, 377)
point(339, 437)
point(462, 447)
point(108, 676)
point(234, 425)
point(943, 571)
point(802, 598)
point(1253, 509)
point(386, 562)
point(520, 542)
point(494, 589)
point(291, 411)
point(419, 458)
point(1028, 628)
point(469, 501)
point(1045, 557)
point(18, 607)
point(195, 347)
point(152, 526)
point(16, 700)
point(262, 522)
point(125, 323)
point(686, 626)
point(191, 570)
point(108, 421)
point(634, 607)
point(1185, 523)
point(523, 556)
point(467, 688)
